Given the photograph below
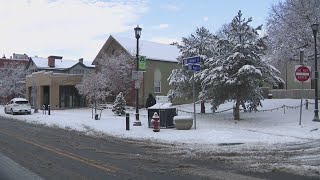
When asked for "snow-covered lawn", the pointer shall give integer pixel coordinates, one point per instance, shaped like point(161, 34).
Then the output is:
point(277, 126)
point(266, 138)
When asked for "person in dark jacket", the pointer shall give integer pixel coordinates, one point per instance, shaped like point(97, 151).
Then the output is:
point(150, 101)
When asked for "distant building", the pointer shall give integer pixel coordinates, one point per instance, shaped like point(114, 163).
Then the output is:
point(14, 62)
point(19, 56)
point(292, 88)
point(52, 81)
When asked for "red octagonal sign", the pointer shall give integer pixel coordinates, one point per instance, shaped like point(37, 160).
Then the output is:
point(302, 73)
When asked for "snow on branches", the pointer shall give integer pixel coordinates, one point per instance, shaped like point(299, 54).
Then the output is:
point(232, 68)
point(289, 28)
point(202, 44)
point(94, 87)
point(12, 81)
point(113, 76)
point(119, 105)
point(238, 71)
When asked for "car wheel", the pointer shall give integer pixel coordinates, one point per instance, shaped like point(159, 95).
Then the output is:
point(29, 112)
point(12, 113)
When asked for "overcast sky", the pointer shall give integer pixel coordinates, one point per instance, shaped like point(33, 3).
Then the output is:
point(78, 28)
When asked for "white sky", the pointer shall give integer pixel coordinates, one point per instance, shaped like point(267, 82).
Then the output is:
point(70, 27)
point(78, 28)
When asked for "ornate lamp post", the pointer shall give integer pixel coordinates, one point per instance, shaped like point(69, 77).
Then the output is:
point(315, 28)
point(137, 31)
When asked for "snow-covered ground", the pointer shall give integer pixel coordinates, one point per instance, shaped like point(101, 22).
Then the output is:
point(270, 139)
point(276, 126)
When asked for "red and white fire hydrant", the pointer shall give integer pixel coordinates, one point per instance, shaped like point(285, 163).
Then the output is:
point(155, 122)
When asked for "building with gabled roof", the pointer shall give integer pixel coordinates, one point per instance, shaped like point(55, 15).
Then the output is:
point(51, 81)
point(152, 50)
point(161, 59)
point(57, 64)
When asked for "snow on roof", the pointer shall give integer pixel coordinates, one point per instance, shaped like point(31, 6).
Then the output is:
point(19, 99)
point(88, 64)
point(41, 62)
point(162, 106)
point(14, 59)
point(152, 50)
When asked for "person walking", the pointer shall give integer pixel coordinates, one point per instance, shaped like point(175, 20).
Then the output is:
point(150, 101)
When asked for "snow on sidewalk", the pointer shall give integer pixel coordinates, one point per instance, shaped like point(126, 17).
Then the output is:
point(261, 127)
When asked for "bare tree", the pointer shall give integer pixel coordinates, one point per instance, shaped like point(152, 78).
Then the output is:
point(94, 87)
point(117, 69)
point(113, 77)
point(289, 28)
point(12, 81)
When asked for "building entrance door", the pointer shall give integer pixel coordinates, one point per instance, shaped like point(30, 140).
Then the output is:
point(46, 96)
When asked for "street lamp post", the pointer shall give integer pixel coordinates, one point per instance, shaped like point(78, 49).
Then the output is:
point(315, 28)
point(137, 31)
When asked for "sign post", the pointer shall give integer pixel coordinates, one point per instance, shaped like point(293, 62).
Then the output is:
point(137, 76)
point(193, 64)
point(302, 74)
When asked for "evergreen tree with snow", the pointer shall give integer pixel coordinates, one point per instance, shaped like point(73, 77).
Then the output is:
point(237, 72)
point(202, 44)
point(119, 105)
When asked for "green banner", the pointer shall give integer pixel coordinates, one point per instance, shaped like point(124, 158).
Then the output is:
point(142, 63)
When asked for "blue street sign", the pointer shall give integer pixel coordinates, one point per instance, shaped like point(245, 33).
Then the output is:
point(194, 67)
point(192, 60)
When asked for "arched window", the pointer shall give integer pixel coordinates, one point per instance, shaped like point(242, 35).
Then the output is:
point(157, 81)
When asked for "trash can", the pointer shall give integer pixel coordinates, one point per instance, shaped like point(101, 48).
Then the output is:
point(165, 112)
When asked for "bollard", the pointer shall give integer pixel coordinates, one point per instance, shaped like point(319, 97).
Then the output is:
point(127, 121)
point(96, 116)
point(43, 109)
point(307, 104)
point(48, 109)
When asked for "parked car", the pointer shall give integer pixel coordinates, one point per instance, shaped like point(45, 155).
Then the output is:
point(17, 106)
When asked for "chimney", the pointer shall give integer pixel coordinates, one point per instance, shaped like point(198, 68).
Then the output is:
point(51, 60)
point(81, 60)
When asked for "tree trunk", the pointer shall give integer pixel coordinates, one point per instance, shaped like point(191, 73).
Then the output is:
point(236, 111)
point(203, 108)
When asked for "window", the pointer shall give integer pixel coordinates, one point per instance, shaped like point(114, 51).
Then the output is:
point(22, 102)
point(78, 71)
point(157, 86)
point(157, 81)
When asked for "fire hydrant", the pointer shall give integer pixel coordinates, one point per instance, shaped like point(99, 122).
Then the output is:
point(155, 122)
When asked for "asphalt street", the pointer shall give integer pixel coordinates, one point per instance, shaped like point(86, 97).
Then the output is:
point(10, 170)
point(37, 151)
